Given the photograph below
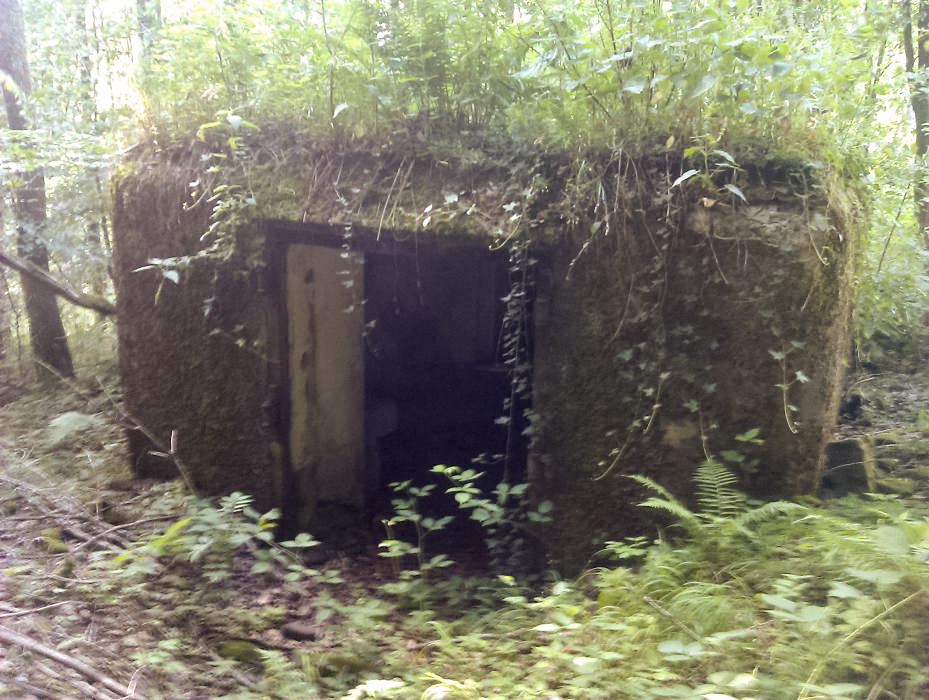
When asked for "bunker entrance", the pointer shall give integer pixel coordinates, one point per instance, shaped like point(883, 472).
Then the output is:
point(395, 364)
point(435, 382)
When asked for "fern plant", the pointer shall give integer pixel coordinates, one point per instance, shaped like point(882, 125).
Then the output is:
point(830, 593)
point(724, 510)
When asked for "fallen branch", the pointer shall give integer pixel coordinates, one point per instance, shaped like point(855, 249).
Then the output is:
point(21, 640)
point(42, 693)
point(64, 518)
point(87, 301)
point(124, 526)
point(16, 612)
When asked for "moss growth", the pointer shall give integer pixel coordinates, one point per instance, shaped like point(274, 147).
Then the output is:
point(690, 329)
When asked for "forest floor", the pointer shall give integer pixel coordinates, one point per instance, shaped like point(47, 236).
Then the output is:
point(73, 625)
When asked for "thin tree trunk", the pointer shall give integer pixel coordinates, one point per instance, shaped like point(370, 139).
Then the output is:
point(49, 344)
point(148, 13)
point(917, 66)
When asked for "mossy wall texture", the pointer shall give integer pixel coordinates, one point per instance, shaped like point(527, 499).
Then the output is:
point(191, 354)
point(660, 347)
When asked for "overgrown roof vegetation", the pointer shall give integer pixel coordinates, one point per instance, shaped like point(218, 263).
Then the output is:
point(559, 75)
point(801, 83)
point(806, 82)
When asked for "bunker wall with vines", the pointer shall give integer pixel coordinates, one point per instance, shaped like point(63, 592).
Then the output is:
point(671, 314)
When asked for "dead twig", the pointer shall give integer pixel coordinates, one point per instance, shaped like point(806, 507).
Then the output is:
point(124, 526)
point(165, 452)
point(15, 612)
point(21, 640)
point(174, 457)
point(63, 516)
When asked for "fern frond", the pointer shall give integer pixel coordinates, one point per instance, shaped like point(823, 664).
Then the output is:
point(768, 511)
point(715, 491)
point(235, 502)
point(668, 503)
point(675, 508)
point(650, 483)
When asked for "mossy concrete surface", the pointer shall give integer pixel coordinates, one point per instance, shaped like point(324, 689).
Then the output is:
point(190, 351)
point(657, 351)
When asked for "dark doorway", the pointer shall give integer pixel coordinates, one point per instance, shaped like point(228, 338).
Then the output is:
point(435, 381)
point(390, 351)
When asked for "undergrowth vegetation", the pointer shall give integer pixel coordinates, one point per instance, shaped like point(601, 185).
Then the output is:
point(735, 600)
point(732, 599)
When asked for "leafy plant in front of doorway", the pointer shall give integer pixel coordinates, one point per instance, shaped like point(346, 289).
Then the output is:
point(503, 515)
point(408, 512)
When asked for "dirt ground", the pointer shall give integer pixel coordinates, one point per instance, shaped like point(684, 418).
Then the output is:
point(68, 503)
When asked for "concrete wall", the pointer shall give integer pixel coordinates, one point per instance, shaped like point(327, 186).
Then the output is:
point(191, 355)
point(654, 347)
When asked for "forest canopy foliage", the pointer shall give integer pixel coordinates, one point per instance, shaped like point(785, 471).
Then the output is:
point(826, 83)
point(606, 74)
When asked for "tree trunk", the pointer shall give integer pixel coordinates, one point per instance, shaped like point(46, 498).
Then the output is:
point(917, 67)
point(149, 18)
point(49, 344)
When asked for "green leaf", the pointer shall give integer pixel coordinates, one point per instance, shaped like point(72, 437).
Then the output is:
point(839, 589)
point(812, 613)
point(684, 177)
point(546, 627)
point(892, 539)
point(68, 423)
point(779, 68)
point(261, 567)
point(779, 602)
point(736, 191)
point(201, 132)
point(634, 85)
point(881, 577)
point(707, 82)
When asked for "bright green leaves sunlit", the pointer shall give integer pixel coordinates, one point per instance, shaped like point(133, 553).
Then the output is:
point(561, 72)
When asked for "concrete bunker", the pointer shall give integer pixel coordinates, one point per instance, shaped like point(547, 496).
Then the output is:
point(313, 355)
